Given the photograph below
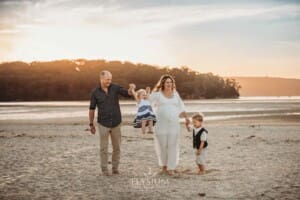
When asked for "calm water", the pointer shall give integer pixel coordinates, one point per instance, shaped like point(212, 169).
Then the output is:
point(213, 109)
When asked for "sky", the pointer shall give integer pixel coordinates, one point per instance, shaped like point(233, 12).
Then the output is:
point(225, 37)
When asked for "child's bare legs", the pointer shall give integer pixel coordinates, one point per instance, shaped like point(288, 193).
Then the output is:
point(150, 126)
point(201, 169)
point(144, 126)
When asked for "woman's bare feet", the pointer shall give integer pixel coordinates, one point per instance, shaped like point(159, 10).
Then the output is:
point(171, 172)
point(164, 169)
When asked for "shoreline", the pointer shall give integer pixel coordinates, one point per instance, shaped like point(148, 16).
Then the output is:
point(247, 97)
point(128, 119)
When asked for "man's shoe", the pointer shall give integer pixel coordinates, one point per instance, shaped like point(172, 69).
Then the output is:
point(105, 173)
point(115, 171)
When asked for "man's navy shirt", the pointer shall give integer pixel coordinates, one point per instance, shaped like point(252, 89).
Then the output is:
point(109, 112)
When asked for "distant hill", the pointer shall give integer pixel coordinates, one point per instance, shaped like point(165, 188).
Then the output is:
point(268, 86)
point(74, 80)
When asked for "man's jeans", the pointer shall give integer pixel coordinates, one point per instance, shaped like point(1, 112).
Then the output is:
point(115, 134)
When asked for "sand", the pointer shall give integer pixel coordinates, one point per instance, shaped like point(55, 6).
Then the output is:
point(59, 159)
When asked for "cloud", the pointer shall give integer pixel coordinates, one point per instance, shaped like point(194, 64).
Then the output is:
point(169, 17)
point(158, 32)
point(15, 14)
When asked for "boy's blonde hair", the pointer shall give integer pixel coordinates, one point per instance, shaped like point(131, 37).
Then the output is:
point(198, 116)
point(139, 92)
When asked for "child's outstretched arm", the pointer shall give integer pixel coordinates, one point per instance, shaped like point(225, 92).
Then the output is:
point(134, 95)
point(148, 91)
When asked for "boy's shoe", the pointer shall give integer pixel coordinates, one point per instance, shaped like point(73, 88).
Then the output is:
point(201, 172)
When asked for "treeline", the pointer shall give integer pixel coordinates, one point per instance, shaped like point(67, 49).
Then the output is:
point(74, 80)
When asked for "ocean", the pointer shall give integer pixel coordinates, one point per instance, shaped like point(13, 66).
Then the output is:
point(213, 109)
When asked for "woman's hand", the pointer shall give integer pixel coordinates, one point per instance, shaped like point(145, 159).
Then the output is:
point(187, 123)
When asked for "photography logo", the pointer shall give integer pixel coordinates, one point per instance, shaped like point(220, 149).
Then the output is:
point(148, 181)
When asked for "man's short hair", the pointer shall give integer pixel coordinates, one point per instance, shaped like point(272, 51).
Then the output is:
point(104, 73)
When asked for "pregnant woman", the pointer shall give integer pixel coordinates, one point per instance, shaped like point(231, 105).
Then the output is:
point(169, 108)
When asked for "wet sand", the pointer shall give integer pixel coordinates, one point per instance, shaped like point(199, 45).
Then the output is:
point(59, 159)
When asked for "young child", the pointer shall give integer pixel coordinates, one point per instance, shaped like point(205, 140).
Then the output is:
point(145, 115)
point(199, 141)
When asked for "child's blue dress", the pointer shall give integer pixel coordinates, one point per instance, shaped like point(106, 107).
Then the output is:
point(144, 112)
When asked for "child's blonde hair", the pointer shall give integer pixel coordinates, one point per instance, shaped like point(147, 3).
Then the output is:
point(198, 116)
point(139, 92)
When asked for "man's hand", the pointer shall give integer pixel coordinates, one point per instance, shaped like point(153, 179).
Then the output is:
point(91, 117)
point(131, 89)
point(132, 86)
point(93, 129)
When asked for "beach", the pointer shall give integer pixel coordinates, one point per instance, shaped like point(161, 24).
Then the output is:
point(247, 158)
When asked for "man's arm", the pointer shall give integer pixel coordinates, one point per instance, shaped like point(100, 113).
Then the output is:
point(126, 93)
point(131, 90)
point(91, 117)
point(93, 104)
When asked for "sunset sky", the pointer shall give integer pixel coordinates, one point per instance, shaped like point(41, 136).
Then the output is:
point(226, 37)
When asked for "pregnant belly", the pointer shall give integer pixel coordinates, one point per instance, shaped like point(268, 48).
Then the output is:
point(168, 112)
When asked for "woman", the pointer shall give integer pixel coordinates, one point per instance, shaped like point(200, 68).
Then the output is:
point(169, 107)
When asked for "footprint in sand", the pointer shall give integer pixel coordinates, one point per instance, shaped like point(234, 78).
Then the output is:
point(190, 172)
point(211, 170)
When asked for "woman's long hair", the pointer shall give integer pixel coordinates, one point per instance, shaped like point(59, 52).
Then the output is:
point(160, 86)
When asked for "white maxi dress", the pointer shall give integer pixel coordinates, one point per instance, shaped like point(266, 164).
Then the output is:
point(167, 128)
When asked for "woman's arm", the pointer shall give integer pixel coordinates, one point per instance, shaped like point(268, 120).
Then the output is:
point(183, 115)
point(182, 111)
point(187, 120)
point(153, 98)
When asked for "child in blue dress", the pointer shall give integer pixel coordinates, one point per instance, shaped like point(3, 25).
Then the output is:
point(145, 115)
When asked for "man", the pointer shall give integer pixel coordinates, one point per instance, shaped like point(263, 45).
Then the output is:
point(106, 98)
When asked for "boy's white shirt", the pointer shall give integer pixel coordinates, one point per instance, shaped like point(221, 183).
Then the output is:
point(204, 134)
